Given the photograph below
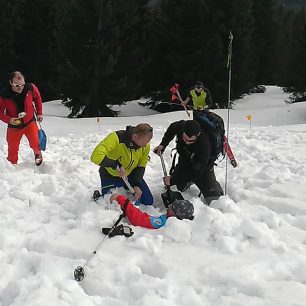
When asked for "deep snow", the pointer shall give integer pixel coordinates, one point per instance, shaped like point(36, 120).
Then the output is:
point(247, 248)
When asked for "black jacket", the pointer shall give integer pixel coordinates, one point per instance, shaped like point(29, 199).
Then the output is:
point(194, 158)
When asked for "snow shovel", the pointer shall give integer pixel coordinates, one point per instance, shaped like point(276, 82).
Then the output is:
point(96, 195)
point(169, 196)
point(176, 95)
point(130, 189)
point(128, 185)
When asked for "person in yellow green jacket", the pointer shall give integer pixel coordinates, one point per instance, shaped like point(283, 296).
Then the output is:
point(200, 96)
point(122, 154)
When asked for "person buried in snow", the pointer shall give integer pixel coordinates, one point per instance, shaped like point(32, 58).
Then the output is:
point(181, 209)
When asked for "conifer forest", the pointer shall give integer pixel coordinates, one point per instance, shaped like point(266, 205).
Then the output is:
point(94, 53)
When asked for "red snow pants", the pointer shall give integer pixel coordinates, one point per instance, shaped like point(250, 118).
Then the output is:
point(13, 137)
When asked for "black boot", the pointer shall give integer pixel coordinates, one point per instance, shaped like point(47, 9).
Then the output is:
point(38, 159)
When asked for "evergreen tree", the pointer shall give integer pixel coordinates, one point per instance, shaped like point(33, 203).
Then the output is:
point(96, 56)
point(194, 42)
point(134, 20)
point(298, 59)
point(186, 58)
point(284, 43)
point(101, 52)
point(296, 4)
point(33, 40)
point(10, 23)
point(234, 16)
point(264, 39)
point(181, 40)
point(157, 78)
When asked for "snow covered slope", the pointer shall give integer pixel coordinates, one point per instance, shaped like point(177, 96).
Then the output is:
point(247, 248)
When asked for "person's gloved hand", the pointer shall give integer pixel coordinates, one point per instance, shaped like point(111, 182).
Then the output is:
point(15, 121)
point(121, 171)
point(113, 197)
point(167, 180)
point(159, 150)
point(234, 163)
point(138, 193)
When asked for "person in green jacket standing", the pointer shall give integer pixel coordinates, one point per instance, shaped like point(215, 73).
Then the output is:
point(122, 154)
point(200, 96)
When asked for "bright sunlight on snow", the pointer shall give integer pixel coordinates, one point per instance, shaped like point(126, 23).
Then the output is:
point(247, 248)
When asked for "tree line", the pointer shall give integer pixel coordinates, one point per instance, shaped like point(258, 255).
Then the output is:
point(96, 53)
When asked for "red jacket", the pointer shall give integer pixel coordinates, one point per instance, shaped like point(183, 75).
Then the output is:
point(8, 108)
point(137, 217)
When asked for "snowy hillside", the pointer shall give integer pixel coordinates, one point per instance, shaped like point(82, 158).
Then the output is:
point(247, 248)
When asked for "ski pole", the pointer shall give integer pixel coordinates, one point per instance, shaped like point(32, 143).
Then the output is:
point(169, 196)
point(229, 66)
point(79, 272)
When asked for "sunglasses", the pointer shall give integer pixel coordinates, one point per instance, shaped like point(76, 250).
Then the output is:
point(18, 85)
point(197, 87)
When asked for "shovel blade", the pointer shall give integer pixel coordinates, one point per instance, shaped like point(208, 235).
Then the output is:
point(170, 196)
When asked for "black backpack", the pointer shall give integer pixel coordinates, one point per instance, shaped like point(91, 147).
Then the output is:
point(213, 125)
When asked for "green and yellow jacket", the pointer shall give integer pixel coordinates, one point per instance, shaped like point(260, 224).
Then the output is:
point(202, 100)
point(117, 149)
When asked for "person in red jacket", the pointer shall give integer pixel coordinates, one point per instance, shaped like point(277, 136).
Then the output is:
point(181, 209)
point(17, 110)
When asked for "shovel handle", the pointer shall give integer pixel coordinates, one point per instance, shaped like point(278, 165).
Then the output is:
point(163, 164)
point(180, 98)
point(165, 171)
point(128, 185)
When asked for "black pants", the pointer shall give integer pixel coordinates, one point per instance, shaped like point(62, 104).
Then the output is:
point(207, 182)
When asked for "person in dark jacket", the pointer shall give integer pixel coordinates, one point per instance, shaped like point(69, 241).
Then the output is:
point(181, 209)
point(17, 110)
point(124, 154)
point(194, 163)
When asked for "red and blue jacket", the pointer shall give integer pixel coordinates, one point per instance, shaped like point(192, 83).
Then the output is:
point(139, 218)
point(9, 109)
